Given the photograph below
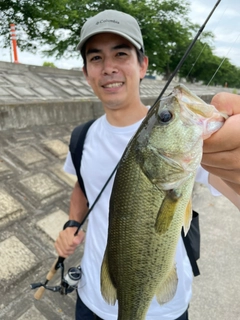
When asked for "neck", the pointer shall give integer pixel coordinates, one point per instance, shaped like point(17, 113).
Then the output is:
point(123, 117)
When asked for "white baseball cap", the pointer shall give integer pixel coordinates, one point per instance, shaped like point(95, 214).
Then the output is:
point(112, 21)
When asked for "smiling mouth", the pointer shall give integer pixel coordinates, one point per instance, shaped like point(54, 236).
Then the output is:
point(113, 85)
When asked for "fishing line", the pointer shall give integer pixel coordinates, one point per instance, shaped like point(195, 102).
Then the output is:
point(223, 60)
point(185, 55)
point(193, 65)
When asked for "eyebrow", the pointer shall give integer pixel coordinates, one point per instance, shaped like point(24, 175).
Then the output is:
point(117, 47)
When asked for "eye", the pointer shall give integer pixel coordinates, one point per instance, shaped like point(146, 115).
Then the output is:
point(95, 58)
point(165, 116)
point(121, 53)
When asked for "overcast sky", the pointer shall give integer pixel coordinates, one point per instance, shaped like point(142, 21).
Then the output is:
point(225, 24)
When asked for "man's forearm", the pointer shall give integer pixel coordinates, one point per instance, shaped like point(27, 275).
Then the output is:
point(78, 204)
point(228, 189)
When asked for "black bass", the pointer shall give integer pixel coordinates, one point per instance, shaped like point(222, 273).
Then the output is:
point(151, 202)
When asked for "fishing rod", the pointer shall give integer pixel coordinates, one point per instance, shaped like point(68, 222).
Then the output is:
point(186, 54)
point(70, 281)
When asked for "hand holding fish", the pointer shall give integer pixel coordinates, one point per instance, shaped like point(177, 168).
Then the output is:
point(221, 152)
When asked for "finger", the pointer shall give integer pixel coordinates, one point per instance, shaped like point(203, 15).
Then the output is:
point(67, 242)
point(62, 250)
point(228, 160)
point(227, 102)
point(65, 251)
point(234, 186)
point(79, 238)
point(226, 138)
point(228, 175)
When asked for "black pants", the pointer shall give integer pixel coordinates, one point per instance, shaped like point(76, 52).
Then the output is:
point(83, 313)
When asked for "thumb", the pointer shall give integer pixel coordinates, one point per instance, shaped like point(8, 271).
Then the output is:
point(227, 102)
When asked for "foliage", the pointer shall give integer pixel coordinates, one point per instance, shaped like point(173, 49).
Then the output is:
point(49, 64)
point(57, 23)
point(54, 26)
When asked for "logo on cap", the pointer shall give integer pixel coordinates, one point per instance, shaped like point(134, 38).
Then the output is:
point(106, 20)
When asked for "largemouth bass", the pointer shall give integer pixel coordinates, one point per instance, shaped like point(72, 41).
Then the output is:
point(151, 202)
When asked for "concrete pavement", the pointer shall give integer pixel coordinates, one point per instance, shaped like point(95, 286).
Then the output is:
point(34, 201)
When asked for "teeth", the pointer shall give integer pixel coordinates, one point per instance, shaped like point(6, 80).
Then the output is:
point(113, 85)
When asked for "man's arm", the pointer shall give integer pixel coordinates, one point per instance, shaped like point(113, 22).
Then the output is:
point(221, 152)
point(66, 242)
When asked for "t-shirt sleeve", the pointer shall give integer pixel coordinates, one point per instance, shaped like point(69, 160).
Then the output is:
point(68, 165)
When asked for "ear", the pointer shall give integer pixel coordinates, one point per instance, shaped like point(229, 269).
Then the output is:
point(144, 67)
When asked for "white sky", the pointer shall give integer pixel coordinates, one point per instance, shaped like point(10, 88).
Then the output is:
point(225, 24)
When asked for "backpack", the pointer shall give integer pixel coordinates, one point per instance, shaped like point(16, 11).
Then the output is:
point(191, 240)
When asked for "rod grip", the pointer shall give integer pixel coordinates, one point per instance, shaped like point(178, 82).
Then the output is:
point(40, 291)
point(52, 270)
point(38, 294)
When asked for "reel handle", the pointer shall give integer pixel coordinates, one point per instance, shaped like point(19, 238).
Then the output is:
point(40, 291)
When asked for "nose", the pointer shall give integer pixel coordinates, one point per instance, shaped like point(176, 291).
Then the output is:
point(109, 66)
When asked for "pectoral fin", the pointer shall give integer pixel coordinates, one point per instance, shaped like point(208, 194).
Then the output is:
point(166, 291)
point(108, 290)
point(187, 217)
point(167, 210)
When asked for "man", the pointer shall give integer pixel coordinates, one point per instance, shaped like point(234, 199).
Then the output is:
point(112, 48)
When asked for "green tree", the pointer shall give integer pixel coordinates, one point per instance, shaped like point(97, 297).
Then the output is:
point(49, 64)
point(55, 24)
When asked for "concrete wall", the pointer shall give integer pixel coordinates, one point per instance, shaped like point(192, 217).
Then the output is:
point(46, 113)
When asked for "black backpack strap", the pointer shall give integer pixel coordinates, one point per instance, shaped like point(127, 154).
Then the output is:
point(76, 148)
point(192, 243)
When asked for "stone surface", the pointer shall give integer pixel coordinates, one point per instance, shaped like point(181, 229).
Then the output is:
point(66, 177)
point(41, 186)
point(57, 147)
point(3, 167)
point(32, 314)
point(28, 155)
point(216, 290)
point(53, 223)
point(15, 258)
point(8, 205)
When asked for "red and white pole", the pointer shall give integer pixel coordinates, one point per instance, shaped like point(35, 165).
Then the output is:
point(14, 42)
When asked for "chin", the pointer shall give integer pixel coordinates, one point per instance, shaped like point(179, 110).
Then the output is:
point(112, 104)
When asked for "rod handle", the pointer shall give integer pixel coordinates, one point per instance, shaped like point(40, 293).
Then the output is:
point(40, 291)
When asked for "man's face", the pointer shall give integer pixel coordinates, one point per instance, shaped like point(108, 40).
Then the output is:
point(113, 71)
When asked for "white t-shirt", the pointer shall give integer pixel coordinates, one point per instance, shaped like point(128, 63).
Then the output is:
point(103, 148)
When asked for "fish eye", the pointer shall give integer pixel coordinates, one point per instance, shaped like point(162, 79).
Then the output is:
point(165, 116)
